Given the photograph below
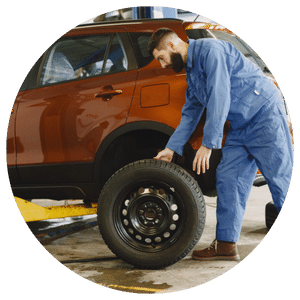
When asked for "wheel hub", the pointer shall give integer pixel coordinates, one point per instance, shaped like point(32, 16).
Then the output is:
point(150, 214)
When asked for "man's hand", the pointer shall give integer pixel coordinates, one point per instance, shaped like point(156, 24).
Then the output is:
point(202, 160)
point(166, 154)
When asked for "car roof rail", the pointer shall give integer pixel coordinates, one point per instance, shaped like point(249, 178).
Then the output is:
point(130, 21)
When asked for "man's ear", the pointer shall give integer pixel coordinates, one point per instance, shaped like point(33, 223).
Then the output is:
point(171, 46)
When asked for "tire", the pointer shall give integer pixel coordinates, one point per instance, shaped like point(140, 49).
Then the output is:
point(271, 214)
point(151, 213)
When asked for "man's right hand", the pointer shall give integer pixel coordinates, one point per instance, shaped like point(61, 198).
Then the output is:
point(166, 154)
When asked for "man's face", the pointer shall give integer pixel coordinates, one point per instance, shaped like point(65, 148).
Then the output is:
point(169, 59)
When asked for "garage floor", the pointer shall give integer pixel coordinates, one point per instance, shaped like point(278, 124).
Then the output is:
point(86, 254)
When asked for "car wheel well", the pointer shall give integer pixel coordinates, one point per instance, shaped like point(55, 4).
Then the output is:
point(130, 147)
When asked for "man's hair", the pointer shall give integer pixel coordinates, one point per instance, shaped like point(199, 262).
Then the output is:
point(157, 37)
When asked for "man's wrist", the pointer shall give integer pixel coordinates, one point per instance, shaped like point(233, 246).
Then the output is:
point(205, 147)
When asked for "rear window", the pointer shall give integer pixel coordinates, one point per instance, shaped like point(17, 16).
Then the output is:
point(140, 43)
point(232, 39)
point(196, 34)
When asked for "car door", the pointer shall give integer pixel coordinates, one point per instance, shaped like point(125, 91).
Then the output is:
point(160, 93)
point(84, 90)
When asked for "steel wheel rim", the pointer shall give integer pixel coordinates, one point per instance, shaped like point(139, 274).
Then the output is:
point(149, 216)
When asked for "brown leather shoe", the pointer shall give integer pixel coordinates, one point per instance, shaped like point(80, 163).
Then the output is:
point(218, 250)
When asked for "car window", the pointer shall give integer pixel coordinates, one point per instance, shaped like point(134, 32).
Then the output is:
point(140, 43)
point(198, 34)
point(243, 47)
point(234, 40)
point(116, 59)
point(220, 35)
point(80, 58)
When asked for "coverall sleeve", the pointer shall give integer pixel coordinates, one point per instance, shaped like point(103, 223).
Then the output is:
point(217, 67)
point(191, 114)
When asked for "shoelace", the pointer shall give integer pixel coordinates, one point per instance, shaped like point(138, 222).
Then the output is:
point(214, 244)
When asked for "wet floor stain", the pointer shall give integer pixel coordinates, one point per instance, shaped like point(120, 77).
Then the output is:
point(135, 289)
point(120, 278)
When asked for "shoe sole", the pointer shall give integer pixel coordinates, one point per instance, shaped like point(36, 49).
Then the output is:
point(229, 258)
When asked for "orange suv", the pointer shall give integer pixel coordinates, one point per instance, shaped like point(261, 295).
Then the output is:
point(95, 102)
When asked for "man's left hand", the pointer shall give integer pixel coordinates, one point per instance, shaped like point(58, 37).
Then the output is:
point(201, 160)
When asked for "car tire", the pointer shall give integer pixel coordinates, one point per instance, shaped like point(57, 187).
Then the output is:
point(151, 213)
point(271, 214)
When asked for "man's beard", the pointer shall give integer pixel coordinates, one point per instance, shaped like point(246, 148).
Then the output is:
point(177, 62)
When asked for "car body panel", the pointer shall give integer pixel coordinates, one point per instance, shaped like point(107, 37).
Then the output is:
point(67, 122)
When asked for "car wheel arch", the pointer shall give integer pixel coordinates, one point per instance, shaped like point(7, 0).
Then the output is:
point(124, 131)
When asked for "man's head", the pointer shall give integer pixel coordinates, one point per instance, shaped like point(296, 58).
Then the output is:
point(168, 49)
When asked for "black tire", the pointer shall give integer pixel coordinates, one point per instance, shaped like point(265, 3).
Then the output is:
point(151, 213)
point(271, 214)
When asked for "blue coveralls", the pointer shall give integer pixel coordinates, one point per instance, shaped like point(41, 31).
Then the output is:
point(231, 87)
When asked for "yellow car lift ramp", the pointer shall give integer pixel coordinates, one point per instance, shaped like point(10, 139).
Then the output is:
point(33, 212)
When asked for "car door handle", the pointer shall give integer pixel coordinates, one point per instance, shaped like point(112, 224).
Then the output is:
point(107, 92)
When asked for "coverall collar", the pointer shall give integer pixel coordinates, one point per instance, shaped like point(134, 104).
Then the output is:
point(189, 61)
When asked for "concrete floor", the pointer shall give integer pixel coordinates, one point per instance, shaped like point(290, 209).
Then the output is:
point(116, 274)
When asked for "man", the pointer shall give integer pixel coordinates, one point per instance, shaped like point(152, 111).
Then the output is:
point(232, 88)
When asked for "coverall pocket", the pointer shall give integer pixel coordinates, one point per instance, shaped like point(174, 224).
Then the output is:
point(268, 126)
